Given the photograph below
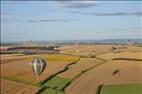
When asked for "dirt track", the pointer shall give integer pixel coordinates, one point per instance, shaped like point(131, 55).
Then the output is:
point(129, 72)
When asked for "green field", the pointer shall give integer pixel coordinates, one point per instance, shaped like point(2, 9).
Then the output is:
point(122, 89)
point(55, 85)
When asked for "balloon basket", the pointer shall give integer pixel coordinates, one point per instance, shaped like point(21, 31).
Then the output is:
point(37, 78)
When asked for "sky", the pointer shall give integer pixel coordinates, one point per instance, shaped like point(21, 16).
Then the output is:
point(70, 20)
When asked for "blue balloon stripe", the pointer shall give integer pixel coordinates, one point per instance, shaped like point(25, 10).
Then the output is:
point(44, 64)
point(38, 65)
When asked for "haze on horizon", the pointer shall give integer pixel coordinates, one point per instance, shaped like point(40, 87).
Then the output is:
point(70, 20)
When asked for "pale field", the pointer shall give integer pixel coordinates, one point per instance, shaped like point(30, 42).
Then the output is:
point(80, 66)
point(130, 72)
point(131, 55)
point(130, 48)
point(85, 50)
point(11, 87)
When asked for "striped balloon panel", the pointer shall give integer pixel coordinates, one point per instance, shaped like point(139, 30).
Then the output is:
point(38, 66)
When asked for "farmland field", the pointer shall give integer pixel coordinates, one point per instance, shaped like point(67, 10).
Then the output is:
point(80, 66)
point(129, 55)
point(85, 50)
point(129, 72)
point(10, 87)
point(78, 69)
point(20, 69)
point(121, 89)
point(55, 85)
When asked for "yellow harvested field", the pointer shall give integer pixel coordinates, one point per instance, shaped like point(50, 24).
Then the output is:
point(11, 87)
point(86, 49)
point(79, 67)
point(128, 72)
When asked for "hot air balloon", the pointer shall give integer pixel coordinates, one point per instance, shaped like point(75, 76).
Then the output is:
point(38, 65)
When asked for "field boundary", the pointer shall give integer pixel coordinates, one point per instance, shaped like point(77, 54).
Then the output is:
point(65, 69)
point(54, 75)
point(103, 61)
point(129, 59)
point(99, 88)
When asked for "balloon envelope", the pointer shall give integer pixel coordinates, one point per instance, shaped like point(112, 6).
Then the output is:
point(38, 65)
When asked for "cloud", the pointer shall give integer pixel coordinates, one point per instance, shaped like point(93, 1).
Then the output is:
point(45, 20)
point(108, 14)
point(119, 14)
point(78, 4)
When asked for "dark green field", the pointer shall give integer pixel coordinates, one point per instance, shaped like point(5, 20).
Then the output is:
point(55, 85)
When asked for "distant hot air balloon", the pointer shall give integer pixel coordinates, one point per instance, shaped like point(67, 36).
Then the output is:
point(38, 65)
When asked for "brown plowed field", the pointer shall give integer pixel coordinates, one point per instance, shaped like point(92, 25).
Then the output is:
point(14, 57)
point(10, 87)
point(129, 72)
point(21, 70)
point(80, 66)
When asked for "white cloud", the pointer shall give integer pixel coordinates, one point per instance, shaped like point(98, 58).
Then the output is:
point(78, 4)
